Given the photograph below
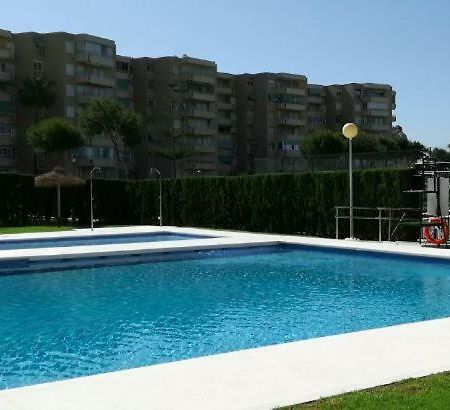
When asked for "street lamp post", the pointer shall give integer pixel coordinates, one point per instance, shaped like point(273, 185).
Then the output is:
point(158, 172)
point(91, 174)
point(350, 131)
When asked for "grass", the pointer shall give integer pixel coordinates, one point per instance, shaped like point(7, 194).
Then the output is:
point(432, 392)
point(31, 229)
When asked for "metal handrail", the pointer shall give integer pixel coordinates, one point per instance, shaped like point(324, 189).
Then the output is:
point(389, 218)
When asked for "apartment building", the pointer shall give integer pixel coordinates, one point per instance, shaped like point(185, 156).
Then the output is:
point(276, 111)
point(272, 118)
point(197, 121)
point(82, 67)
point(317, 108)
point(177, 100)
point(226, 123)
point(368, 105)
point(124, 81)
point(7, 103)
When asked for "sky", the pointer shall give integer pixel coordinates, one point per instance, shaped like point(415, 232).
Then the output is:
point(404, 43)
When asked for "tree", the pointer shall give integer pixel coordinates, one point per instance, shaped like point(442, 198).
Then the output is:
point(407, 145)
point(54, 135)
point(107, 117)
point(366, 143)
point(167, 145)
point(323, 142)
point(166, 142)
point(441, 154)
point(38, 94)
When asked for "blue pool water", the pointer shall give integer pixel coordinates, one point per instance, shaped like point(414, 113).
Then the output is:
point(59, 325)
point(95, 240)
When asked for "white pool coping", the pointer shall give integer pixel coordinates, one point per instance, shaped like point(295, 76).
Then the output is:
point(222, 239)
point(261, 378)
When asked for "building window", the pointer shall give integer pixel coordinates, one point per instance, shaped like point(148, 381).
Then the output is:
point(70, 111)
point(38, 68)
point(338, 93)
point(123, 67)
point(70, 70)
point(70, 47)
point(6, 151)
point(5, 129)
point(70, 90)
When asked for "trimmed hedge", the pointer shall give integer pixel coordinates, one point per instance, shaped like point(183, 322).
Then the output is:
point(279, 203)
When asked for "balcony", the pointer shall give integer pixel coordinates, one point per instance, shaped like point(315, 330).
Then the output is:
point(226, 121)
point(224, 90)
point(292, 122)
point(200, 114)
point(195, 95)
point(376, 113)
point(120, 75)
point(92, 59)
point(377, 99)
point(198, 78)
point(291, 91)
point(6, 76)
point(87, 78)
point(315, 99)
point(224, 106)
point(7, 53)
point(200, 131)
point(291, 107)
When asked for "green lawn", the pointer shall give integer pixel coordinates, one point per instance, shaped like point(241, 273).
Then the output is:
point(432, 392)
point(31, 229)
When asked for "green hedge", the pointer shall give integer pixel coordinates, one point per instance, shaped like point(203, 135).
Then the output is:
point(23, 204)
point(280, 203)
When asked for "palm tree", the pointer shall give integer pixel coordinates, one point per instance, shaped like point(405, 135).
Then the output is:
point(39, 94)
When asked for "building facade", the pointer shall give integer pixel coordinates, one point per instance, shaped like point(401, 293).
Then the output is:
point(176, 98)
point(272, 118)
point(82, 68)
point(197, 121)
point(8, 134)
point(370, 106)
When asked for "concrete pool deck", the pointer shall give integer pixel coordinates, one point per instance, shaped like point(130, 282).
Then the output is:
point(261, 378)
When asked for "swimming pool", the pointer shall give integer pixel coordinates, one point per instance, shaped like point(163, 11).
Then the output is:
point(94, 240)
point(84, 321)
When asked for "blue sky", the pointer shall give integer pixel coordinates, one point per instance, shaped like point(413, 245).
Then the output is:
point(403, 42)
